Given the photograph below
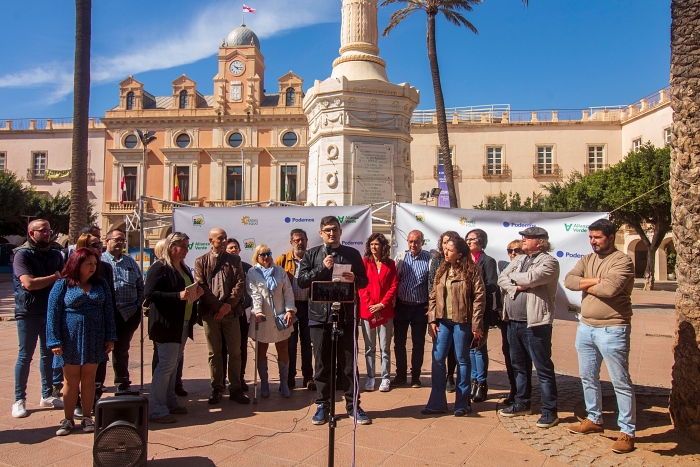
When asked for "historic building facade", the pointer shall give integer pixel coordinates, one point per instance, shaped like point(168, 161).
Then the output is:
point(239, 145)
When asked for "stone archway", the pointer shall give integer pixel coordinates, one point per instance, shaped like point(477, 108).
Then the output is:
point(662, 266)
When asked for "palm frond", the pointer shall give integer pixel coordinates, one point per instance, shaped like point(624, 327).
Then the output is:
point(457, 5)
point(390, 2)
point(458, 20)
point(401, 14)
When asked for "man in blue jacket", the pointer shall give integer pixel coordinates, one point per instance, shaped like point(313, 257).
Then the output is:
point(36, 266)
point(317, 265)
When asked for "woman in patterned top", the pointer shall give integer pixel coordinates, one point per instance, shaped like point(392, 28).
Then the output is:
point(80, 331)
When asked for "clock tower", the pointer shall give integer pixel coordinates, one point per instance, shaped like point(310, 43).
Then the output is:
point(239, 83)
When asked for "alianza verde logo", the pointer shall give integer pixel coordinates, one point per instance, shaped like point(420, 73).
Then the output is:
point(198, 246)
point(576, 227)
point(348, 219)
point(246, 220)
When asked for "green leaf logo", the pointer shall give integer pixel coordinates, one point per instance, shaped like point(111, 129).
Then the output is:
point(568, 226)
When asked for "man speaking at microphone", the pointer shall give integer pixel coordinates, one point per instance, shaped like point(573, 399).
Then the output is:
point(317, 265)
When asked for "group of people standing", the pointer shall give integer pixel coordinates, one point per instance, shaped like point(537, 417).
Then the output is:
point(89, 307)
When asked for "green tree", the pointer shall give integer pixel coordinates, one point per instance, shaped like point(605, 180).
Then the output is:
point(685, 186)
point(81, 109)
point(22, 201)
point(512, 202)
point(57, 210)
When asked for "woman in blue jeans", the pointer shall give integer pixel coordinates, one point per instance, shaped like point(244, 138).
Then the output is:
point(171, 316)
point(455, 315)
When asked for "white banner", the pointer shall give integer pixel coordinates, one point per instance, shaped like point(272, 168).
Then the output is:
point(568, 234)
point(252, 226)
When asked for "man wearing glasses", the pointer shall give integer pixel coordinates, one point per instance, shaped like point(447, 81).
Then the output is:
point(128, 288)
point(290, 263)
point(530, 284)
point(317, 265)
point(35, 268)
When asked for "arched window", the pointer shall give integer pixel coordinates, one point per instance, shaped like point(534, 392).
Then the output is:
point(183, 99)
point(290, 97)
point(130, 100)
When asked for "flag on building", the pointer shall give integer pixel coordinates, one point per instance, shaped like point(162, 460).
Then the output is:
point(247, 9)
point(122, 190)
point(176, 189)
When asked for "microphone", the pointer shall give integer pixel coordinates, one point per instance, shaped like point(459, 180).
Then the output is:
point(329, 250)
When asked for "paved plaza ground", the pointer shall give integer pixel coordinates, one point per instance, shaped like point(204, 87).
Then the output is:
point(278, 432)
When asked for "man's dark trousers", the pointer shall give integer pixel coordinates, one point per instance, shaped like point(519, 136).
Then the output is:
point(301, 332)
point(321, 338)
point(414, 316)
point(530, 345)
point(120, 354)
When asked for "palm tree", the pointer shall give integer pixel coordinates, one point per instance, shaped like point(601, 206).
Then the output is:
point(451, 11)
point(685, 166)
point(81, 109)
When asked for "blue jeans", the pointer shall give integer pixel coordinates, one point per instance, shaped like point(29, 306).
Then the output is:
point(611, 344)
point(178, 376)
point(163, 397)
point(479, 359)
point(29, 329)
point(370, 338)
point(528, 346)
point(461, 335)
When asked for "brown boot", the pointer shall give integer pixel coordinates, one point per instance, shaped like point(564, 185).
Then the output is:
point(586, 427)
point(624, 444)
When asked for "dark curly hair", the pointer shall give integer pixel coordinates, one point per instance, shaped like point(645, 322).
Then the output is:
point(450, 233)
point(384, 244)
point(465, 264)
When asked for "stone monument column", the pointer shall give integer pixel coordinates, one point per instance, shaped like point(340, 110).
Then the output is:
point(359, 122)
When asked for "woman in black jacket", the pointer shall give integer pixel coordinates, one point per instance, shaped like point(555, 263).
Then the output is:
point(477, 240)
point(171, 317)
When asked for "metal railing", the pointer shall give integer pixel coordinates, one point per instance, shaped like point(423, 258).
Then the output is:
point(497, 171)
point(456, 171)
point(473, 114)
point(547, 171)
point(590, 168)
point(45, 123)
point(167, 206)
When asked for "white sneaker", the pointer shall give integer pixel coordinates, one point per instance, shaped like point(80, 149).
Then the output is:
point(51, 402)
point(369, 385)
point(19, 409)
point(385, 386)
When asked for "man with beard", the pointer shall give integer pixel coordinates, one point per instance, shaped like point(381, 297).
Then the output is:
point(290, 263)
point(35, 268)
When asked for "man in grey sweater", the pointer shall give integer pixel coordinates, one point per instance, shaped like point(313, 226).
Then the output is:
point(606, 278)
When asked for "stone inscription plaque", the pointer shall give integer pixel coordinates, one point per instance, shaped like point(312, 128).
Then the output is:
point(373, 170)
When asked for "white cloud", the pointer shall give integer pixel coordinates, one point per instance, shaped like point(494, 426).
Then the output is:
point(176, 47)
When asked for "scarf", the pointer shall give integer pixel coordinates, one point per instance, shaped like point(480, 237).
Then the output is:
point(269, 275)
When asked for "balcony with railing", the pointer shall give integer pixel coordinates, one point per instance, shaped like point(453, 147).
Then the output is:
point(222, 203)
point(497, 171)
point(590, 168)
point(456, 171)
point(168, 206)
point(20, 124)
point(547, 171)
point(57, 175)
point(126, 207)
point(36, 174)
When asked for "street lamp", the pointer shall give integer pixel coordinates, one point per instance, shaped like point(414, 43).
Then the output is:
point(146, 137)
point(430, 195)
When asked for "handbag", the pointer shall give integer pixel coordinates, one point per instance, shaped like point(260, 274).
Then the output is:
point(279, 318)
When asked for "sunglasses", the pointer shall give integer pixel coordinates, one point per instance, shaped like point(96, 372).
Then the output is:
point(96, 245)
point(513, 250)
point(44, 231)
point(266, 255)
point(117, 240)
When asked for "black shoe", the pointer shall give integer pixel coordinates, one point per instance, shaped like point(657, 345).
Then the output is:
point(239, 397)
point(450, 387)
point(415, 382)
point(472, 388)
point(482, 390)
point(310, 385)
point(509, 399)
point(398, 381)
point(215, 397)
point(244, 387)
point(180, 391)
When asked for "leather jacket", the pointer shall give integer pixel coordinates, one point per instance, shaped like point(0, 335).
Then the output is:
point(229, 270)
point(311, 269)
point(465, 308)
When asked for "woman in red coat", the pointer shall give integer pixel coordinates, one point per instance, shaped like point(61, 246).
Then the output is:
point(377, 307)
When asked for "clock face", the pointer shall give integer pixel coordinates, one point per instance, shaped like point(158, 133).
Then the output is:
point(236, 67)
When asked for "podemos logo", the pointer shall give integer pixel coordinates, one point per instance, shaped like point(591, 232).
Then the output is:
point(352, 243)
point(246, 220)
point(420, 217)
point(567, 254)
point(347, 219)
point(576, 227)
point(249, 244)
point(297, 219)
point(198, 246)
point(198, 220)
point(463, 221)
point(519, 225)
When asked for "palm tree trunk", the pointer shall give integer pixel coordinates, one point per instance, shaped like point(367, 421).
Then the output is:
point(440, 110)
point(81, 109)
point(685, 184)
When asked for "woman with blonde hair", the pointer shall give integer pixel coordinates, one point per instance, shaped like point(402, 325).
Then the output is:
point(273, 309)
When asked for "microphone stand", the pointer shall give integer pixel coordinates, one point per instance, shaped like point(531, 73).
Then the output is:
point(335, 332)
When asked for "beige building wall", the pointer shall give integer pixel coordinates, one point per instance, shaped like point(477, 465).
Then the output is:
point(21, 139)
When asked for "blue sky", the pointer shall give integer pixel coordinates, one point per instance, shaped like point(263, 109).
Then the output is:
point(555, 54)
